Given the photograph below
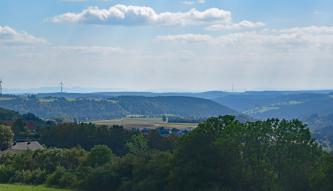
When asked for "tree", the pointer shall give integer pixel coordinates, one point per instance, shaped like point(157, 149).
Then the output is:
point(224, 154)
point(137, 144)
point(99, 155)
point(19, 129)
point(6, 137)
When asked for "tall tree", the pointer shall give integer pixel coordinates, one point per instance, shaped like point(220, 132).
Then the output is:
point(6, 137)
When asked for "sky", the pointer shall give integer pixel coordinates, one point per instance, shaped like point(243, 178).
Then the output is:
point(167, 45)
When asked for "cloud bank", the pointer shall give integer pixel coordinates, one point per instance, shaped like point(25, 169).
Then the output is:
point(140, 15)
point(185, 38)
point(312, 36)
point(236, 26)
point(10, 37)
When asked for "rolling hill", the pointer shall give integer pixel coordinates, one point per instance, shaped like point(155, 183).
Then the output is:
point(86, 109)
point(291, 105)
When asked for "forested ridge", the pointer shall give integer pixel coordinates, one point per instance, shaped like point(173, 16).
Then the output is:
point(87, 109)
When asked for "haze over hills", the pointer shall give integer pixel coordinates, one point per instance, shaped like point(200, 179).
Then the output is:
point(94, 108)
point(257, 104)
point(286, 105)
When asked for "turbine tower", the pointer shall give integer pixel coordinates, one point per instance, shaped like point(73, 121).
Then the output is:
point(0, 87)
point(61, 87)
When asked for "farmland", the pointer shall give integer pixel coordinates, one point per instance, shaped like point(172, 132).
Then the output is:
point(151, 123)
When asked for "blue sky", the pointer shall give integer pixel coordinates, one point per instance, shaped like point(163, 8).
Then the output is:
point(167, 45)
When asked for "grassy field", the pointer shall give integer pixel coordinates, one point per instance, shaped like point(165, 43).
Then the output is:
point(15, 187)
point(144, 123)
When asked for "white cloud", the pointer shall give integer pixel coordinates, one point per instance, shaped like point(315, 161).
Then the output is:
point(193, 2)
point(104, 50)
point(10, 37)
point(185, 38)
point(188, 2)
point(139, 15)
point(236, 26)
point(313, 36)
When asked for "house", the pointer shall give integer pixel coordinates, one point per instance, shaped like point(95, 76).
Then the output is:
point(23, 146)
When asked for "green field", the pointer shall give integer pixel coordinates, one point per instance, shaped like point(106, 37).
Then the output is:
point(144, 123)
point(15, 187)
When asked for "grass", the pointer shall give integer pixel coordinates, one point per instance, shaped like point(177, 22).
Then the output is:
point(271, 107)
point(262, 109)
point(6, 98)
point(144, 123)
point(46, 100)
point(17, 187)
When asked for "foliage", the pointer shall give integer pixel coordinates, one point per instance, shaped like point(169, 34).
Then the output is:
point(88, 109)
point(137, 144)
point(99, 155)
point(86, 136)
point(221, 154)
point(7, 115)
point(61, 178)
point(6, 137)
point(228, 155)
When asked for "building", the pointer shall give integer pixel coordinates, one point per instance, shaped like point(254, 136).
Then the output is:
point(24, 146)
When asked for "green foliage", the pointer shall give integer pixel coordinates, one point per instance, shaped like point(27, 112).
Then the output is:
point(114, 107)
point(8, 115)
point(6, 137)
point(61, 178)
point(24, 127)
point(137, 144)
point(262, 155)
point(221, 154)
point(36, 176)
point(99, 155)
point(6, 172)
point(156, 141)
point(86, 136)
point(101, 179)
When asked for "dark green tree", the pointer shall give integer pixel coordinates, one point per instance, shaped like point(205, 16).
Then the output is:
point(99, 155)
point(6, 137)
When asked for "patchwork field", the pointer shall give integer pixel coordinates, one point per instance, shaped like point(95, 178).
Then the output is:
point(144, 123)
point(14, 187)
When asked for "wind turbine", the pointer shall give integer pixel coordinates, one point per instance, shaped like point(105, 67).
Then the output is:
point(61, 87)
point(0, 87)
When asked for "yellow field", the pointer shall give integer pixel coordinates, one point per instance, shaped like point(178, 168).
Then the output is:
point(144, 123)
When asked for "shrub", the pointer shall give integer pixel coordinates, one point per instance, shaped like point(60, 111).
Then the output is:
point(6, 173)
point(61, 178)
point(101, 179)
point(99, 155)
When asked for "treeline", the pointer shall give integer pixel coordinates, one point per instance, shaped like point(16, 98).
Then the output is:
point(24, 127)
point(86, 136)
point(221, 154)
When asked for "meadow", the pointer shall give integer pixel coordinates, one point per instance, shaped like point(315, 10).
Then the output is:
point(17, 187)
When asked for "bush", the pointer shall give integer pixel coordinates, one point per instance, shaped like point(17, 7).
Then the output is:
point(35, 177)
point(62, 179)
point(99, 155)
point(6, 173)
point(101, 179)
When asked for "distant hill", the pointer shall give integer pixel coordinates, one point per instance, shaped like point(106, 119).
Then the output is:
point(85, 109)
point(280, 105)
point(96, 95)
point(8, 115)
